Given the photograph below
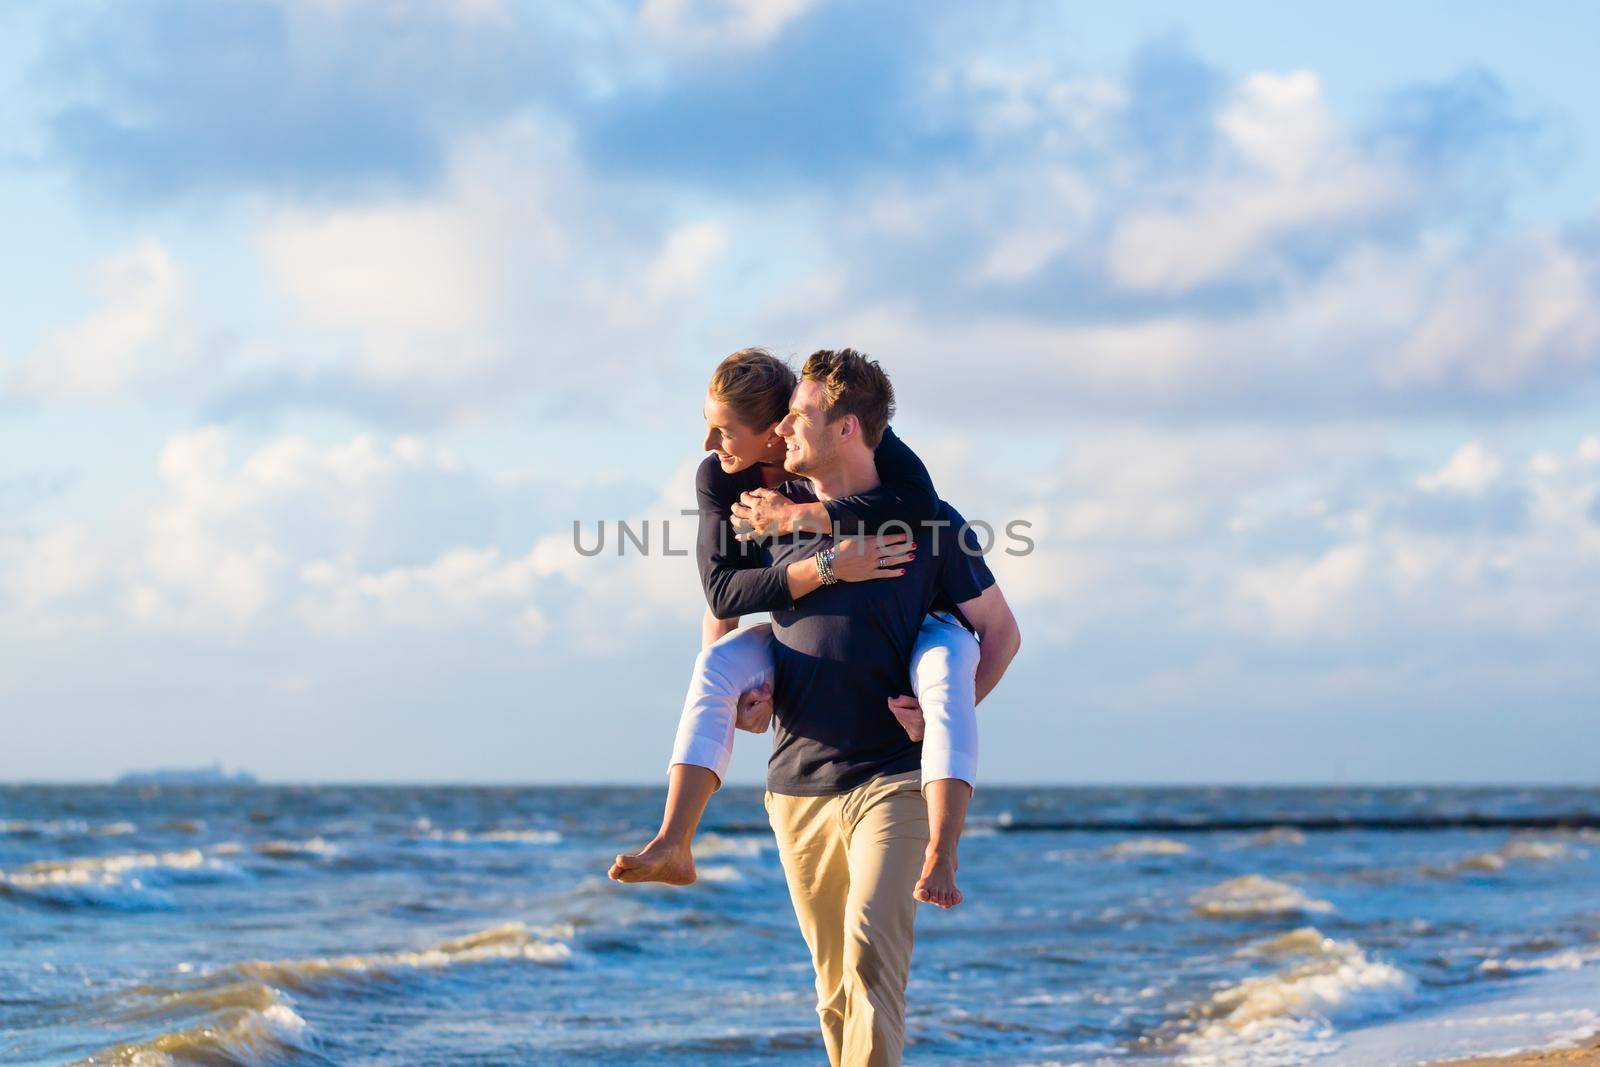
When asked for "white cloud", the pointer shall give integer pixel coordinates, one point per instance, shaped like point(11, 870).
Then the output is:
point(1292, 168)
point(406, 267)
point(479, 292)
point(1498, 318)
point(135, 336)
point(683, 263)
point(1307, 596)
point(719, 24)
point(58, 564)
point(1471, 469)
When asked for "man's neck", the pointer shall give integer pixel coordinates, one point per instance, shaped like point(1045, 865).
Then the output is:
point(854, 473)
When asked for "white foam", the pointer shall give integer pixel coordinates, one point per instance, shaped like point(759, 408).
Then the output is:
point(1291, 1015)
point(261, 1033)
point(509, 941)
point(1146, 846)
point(128, 880)
point(712, 844)
point(495, 837)
point(718, 873)
point(1525, 849)
point(1568, 960)
point(311, 847)
point(1253, 895)
point(1530, 1012)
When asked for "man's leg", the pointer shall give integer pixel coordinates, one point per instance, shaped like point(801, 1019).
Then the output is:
point(812, 847)
point(887, 821)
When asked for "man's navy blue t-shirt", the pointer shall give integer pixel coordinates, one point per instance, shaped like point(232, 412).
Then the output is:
point(844, 650)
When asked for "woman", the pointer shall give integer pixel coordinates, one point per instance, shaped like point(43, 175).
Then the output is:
point(747, 398)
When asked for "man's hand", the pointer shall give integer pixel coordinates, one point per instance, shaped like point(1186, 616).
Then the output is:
point(909, 711)
point(755, 710)
point(762, 513)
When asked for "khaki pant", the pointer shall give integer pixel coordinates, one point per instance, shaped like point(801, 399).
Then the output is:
point(852, 860)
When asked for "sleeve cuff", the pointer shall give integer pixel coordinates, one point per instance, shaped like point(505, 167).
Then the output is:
point(947, 764)
point(703, 752)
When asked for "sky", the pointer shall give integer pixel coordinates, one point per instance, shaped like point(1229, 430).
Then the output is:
point(326, 320)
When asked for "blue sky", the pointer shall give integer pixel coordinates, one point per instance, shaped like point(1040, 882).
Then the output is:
point(325, 320)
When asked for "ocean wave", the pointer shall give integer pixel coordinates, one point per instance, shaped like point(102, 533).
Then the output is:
point(1285, 1016)
point(1251, 896)
point(65, 828)
point(718, 873)
point(713, 844)
point(508, 941)
point(1566, 960)
point(128, 881)
point(1145, 846)
point(310, 848)
point(1278, 835)
point(1518, 849)
point(494, 838)
point(240, 1024)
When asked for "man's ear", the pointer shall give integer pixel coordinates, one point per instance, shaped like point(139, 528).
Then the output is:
point(849, 427)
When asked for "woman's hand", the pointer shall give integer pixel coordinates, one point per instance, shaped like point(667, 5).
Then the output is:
point(909, 711)
point(862, 559)
point(762, 513)
point(755, 710)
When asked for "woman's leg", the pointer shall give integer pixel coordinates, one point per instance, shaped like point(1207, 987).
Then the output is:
point(944, 664)
point(736, 664)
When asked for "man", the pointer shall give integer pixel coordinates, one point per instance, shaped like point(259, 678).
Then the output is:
point(844, 791)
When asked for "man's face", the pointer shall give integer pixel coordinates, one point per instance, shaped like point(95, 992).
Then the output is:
point(810, 442)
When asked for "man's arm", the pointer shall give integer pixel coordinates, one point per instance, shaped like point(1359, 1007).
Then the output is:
point(999, 637)
point(905, 493)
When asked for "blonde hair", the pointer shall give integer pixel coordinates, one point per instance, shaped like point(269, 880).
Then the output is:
point(756, 384)
point(853, 384)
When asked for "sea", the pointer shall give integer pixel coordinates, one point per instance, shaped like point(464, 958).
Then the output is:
point(342, 924)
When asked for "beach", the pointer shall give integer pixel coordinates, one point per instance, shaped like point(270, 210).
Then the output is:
point(1585, 1055)
point(1235, 927)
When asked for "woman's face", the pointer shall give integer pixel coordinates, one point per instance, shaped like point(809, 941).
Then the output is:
point(737, 446)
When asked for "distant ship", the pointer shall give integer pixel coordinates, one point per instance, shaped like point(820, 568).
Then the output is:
point(212, 775)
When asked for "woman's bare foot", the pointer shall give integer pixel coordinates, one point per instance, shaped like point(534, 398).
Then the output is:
point(938, 882)
point(659, 861)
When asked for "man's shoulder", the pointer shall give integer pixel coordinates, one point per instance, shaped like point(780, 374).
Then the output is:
point(946, 513)
point(798, 489)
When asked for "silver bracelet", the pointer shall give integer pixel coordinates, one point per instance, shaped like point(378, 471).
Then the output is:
point(824, 558)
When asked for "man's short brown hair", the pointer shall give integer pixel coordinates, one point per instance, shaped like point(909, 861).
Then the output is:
point(852, 384)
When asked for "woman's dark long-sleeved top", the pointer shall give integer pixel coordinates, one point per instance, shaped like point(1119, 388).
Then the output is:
point(738, 576)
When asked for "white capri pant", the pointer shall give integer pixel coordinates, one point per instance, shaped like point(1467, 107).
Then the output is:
point(944, 665)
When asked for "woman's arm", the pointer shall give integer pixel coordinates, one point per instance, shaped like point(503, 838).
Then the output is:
point(905, 493)
point(712, 629)
point(737, 578)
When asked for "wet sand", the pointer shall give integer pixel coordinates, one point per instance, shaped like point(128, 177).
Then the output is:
point(1584, 1055)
